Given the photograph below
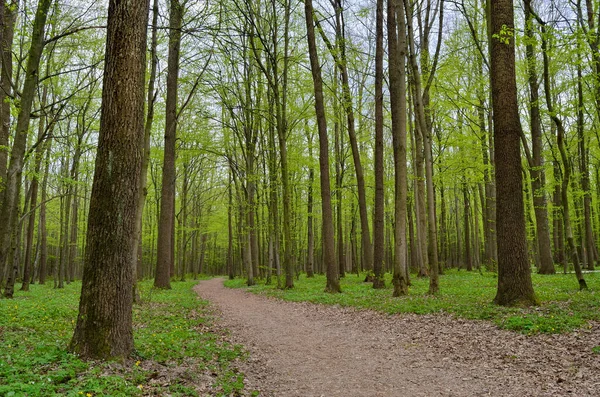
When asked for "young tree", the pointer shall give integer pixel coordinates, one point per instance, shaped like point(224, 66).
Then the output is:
point(104, 324)
point(514, 273)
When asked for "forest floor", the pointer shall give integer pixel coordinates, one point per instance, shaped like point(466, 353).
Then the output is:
point(306, 349)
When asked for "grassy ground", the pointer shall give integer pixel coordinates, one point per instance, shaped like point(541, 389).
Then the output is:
point(465, 294)
point(177, 351)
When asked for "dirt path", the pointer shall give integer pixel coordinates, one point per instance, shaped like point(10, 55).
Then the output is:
point(301, 349)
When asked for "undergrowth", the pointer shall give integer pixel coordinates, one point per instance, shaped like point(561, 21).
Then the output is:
point(176, 352)
point(468, 295)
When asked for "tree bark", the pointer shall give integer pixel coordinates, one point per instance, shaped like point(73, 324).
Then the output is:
point(560, 138)
point(165, 249)
point(367, 249)
point(8, 11)
point(330, 263)
point(514, 273)
point(397, 61)
point(151, 99)
point(42, 223)
point(15, 166)
point(310, 256)
point(379, 215)
point(104, 324)
point(536, 169)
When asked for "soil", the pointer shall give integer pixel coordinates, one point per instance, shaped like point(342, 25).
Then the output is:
point(303, 349)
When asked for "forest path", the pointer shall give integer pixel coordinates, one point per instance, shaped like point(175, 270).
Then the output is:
point(303, 349)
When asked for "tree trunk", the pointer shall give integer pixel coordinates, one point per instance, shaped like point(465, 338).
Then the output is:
point(310, 256)
point(42, 223)
point(367, 253)
point(39, 155)
point(330, 263)
point(165, 249)
point(104, 324)
point(378, 217)
point(397, 61)
point(150, 101)
point(467, 225)
point(339, 177)
point(8, 15)
point(560, 137)
point(559, 235)
point(514, 273)
point(588, 237)
point(536, 170)
point(15, 166)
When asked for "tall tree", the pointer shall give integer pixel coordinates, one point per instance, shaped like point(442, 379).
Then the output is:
point(397, 51)
point(514, 273)
point(535, 159)
point(566, 170)
point(8, 213)
point(329, 259)
point(379, 213)
point(164, 254)
point(104, 324)
point(151, 98)
point(8, 15)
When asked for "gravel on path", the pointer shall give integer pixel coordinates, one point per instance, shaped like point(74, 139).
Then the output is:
point(304, 349)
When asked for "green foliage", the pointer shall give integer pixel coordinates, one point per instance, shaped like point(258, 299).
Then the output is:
point(464, 294)
point(177, 351)
point(505, 34)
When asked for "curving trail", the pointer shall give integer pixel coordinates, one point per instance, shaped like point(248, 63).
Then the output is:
point(302, 349)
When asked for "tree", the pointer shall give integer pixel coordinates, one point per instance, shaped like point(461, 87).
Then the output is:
point(333, 281)
point(379, 213)
point(12, 190)
point(104, 324)
point(536, 160)
point(165, 251)
point(8, 15)
point(397, 49)
point(514, 274)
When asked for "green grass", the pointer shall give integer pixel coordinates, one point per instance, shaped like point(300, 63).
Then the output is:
point(468, 295)
point(175, 349)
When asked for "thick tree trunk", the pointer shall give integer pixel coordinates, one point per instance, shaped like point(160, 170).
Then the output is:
point(330, 263)
point(104, 324)
point(514, 273)
point(166, 248)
